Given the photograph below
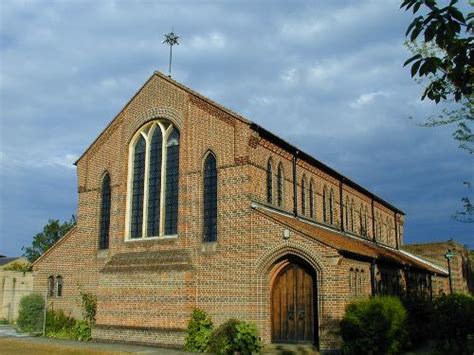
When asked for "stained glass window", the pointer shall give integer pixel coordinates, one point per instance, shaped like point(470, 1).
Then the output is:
point(172, 180)
point(138, 189)
point(154, 183)
point(210, 199)
point(269, 182)
point(280, 185)
point(105, 213)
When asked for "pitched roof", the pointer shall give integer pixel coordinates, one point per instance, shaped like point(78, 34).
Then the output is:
point(346, 244)
point(262, 131)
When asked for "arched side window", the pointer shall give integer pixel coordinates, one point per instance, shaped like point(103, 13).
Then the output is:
point(280, 180)
point(311, 199)
point(59, 286)
point(325, 206)
point(105, 213)
point(153, 181)
point(303, 196)
point(351, 281)
point(331, 206)
point(346, 213)
point(352, 215)
point(269, 181)
point(210, 199)
point(366, 221)
point(51, 286)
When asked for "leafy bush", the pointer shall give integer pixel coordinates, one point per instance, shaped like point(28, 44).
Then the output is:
point(453, 322)
point(420, 311)
point(57, 320)
point(30, 313)
point(3, 321)
point(374, 326)
point(18, 266)
point(247, 340)
point(235, 336)
point(198, 332)
point(89, 306)
point(82, 331)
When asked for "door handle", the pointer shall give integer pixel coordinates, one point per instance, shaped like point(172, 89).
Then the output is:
point(301, 314)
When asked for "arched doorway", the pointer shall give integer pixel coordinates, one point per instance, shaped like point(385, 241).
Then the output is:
point(293, 306)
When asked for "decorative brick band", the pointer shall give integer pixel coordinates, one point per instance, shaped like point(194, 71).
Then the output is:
point(212, 110)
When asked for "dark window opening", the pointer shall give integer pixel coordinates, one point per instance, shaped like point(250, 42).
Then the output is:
point(210, 199)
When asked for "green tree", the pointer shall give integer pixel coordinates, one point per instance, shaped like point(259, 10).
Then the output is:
point(52, 232)
point(442, 41)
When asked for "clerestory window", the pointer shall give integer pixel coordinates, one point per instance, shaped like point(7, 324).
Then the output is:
point(153, 181)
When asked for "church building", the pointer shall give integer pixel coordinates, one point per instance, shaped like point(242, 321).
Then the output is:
point(185, 204)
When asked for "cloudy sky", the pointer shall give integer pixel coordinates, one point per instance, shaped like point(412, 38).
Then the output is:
point(325, 75)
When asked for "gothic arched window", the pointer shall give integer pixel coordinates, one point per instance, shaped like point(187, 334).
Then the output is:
point(51, 286)
point(280, 178)
point(303, 196)
point(331, 207)
point(59, 286)
point(210, 199)
point(311, 199)
point(325, 206)
point(269, 181)
point(105, 212)
point(153, 181)
point(351, 215)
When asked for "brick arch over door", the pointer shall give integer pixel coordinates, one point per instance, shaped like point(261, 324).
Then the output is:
point(270, 265)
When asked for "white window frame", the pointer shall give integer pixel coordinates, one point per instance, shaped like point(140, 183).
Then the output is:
point(146, 132)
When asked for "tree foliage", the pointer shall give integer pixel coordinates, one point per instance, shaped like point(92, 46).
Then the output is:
point(52, 232)
point(451, 31)
point(445, 60)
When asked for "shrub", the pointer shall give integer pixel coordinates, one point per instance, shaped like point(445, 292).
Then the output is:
point(30, 313)
point(235, 336)
point(198, 332)
point(247, 340)
point(453, 322)
point(374, 326)
point(89, 306)
point(420, 312)
point(57, 321)
point(3, 321)
point(82, 331)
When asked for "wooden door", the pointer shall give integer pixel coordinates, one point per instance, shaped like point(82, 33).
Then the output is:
point(293, 306)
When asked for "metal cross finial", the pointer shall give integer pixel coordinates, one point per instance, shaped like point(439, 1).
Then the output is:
point(171, 39)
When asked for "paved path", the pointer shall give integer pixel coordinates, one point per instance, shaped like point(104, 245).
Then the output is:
point(10, 339)
point(9, 331)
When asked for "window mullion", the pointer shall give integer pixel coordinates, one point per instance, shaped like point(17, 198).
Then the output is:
point(145, 186)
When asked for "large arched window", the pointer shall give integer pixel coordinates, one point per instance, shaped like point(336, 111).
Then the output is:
point(153, 181)
point(280, 179)
point(269, 181)
point(105, 213)
point(303, 196)
point(311, 199)
point(210, 199)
